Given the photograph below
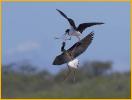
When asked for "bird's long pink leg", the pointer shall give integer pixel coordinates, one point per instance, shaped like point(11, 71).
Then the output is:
point(74, 78)
point(68, 74)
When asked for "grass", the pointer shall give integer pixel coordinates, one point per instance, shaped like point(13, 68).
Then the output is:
point(16, 85)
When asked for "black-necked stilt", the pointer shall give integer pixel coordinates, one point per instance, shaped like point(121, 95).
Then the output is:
point(74, 51)
point(76, 31)
point(69, 56)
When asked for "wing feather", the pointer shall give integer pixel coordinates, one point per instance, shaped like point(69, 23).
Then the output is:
point(74, 51)
point(83, 26)
point(71, 21)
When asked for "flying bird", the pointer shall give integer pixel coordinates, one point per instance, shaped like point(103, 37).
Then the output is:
point(69, 56)
point(74, 51)
point(76, 31)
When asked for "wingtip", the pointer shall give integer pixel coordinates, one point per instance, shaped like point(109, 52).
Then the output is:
point(92, 36)
point(92, 32)
point(58, 10)
point(102, 23)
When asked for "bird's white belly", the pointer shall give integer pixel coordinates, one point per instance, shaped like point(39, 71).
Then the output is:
point(74, 63)
point(74, 33)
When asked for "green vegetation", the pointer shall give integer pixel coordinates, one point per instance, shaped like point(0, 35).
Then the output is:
point(93, 80)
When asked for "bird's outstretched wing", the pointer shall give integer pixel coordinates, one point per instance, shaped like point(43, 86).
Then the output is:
point(83, 26)
point(74, 51)
point(71, 21)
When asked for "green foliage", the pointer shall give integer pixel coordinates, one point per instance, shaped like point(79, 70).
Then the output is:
point(96, 68)
point(89, 83)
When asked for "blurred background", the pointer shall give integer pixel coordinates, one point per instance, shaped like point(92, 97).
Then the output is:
point(29, 48)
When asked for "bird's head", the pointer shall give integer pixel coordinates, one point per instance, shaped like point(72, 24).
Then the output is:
point(67, 31)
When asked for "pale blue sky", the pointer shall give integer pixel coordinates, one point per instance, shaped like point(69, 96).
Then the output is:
point(29, 29)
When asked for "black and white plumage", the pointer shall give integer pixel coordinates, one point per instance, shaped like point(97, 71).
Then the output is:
point(74, 51)
point(77, 31)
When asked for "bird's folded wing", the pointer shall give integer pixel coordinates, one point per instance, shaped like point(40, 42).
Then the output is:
point(74, 51)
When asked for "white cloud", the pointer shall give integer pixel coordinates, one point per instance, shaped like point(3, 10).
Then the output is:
point(24, 47)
